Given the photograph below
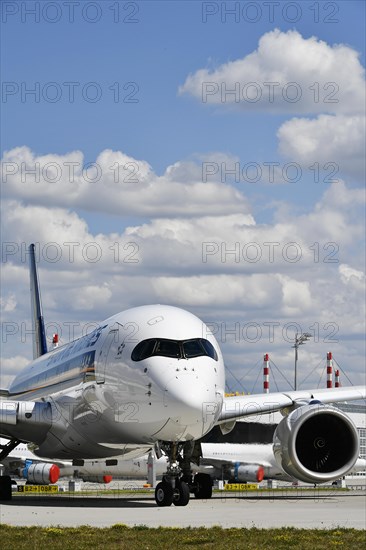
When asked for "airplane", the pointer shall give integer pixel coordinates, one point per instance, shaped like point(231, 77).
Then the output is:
point(154, 376)
point(232, 462)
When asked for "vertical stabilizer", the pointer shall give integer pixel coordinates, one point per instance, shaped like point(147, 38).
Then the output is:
point(39, 333)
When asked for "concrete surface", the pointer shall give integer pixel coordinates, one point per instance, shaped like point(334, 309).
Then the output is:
point(324, 510)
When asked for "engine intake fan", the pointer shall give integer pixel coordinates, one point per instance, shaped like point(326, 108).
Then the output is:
point(316, 443)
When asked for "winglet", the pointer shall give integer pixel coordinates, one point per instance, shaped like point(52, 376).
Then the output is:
point(39, 333)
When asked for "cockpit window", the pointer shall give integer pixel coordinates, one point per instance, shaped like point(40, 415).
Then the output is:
point(167, 348)
point(180, 349)
point(209, 349)
point(143, 350)
point(192, 348)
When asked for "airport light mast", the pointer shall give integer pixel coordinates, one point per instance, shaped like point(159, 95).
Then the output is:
point(300, 339)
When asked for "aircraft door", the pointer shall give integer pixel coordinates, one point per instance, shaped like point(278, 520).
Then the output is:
point(111, 337)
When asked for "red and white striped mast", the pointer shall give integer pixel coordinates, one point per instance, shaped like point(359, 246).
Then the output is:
point(329, 370)
point(266, 373)
point(337, 381)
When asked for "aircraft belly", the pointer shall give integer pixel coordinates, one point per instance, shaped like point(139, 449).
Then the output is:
point(56, 450)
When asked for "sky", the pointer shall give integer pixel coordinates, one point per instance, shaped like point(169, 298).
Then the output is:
point(208, 155)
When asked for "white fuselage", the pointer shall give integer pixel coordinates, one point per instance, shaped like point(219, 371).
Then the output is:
point(105, 403)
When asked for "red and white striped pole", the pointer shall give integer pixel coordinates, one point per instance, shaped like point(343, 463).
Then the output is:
point(266, 373)
point(337, 382)
point(329, 370)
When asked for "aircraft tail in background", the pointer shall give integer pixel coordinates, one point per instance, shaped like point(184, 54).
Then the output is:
point(39, 332)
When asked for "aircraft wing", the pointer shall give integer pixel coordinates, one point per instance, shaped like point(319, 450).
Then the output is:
point(239, 406)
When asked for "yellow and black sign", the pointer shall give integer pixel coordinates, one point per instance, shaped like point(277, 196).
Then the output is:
point(37, 488)
point(240, 486)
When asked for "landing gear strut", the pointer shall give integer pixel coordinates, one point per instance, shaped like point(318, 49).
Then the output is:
point(178, 482)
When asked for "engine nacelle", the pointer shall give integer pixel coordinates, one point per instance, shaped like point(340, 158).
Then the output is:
point(316, 443)
point(246, 472)
point(41, 473)
point(97, 479)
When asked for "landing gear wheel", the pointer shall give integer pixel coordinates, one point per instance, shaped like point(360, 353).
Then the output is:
point(203, 484)
point(164, 494)
point(181, 494)
point(5, 488)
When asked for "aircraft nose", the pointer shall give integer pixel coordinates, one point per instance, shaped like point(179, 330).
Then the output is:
point(192, 402)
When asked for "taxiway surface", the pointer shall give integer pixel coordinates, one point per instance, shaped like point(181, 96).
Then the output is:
point(314, 510)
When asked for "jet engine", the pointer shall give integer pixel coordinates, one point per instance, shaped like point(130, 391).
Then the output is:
point(316, 443)
point(246, 472)
point(41, 473)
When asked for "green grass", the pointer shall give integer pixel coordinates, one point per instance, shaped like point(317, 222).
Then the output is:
point(141, 537)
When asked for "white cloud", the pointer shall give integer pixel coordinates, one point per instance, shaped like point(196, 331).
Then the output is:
point(89, 297)
point(338, 217)
point(8, 303)
point(352, 277)
point(307, 76)
point(334, 142)
point(221, 290)
point(228, 289)
point(50, 225)
point(230, 244)
point(115, 184)
point(296, 296)
point(10, 367)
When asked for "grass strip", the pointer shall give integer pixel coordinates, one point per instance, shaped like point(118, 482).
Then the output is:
point(142, 537)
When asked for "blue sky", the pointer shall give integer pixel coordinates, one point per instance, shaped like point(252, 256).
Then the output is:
point(156, 50)
point(167, 42)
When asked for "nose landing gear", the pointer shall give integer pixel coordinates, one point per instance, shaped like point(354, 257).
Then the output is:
point(178, 482)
